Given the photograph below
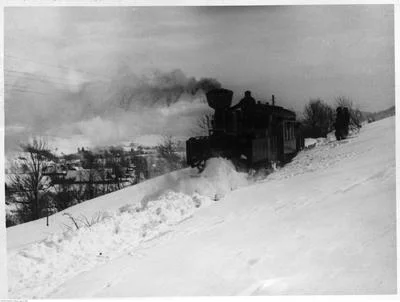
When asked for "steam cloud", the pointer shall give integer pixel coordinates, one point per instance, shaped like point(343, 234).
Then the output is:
point(102, 113)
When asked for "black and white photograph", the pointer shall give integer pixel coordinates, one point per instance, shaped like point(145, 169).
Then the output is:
point(199, 150)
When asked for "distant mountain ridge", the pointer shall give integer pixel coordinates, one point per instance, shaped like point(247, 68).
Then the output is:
point(376, 116)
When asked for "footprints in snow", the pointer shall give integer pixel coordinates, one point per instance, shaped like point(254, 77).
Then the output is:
point(383, 174)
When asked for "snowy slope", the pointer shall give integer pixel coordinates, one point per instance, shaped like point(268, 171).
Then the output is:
point(323, 224)
point(40, 257)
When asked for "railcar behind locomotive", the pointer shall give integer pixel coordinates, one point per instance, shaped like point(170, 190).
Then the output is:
point(252, 138)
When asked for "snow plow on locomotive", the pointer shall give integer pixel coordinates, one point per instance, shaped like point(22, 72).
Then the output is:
point(251, 137)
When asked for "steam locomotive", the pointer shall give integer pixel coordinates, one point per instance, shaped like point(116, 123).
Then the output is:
point(251, 139)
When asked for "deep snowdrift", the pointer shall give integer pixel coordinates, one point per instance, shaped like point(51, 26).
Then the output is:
point(323, 224)
point(39, 267)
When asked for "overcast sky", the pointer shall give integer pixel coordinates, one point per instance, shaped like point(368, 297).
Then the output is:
point(52, 56)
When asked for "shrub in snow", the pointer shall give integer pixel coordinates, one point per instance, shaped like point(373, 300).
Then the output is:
point(83, 221)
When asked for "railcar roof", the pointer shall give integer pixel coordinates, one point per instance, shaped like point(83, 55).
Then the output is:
point(277, 111)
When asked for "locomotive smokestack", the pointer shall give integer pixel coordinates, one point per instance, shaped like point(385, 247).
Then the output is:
point(273, 100)
point(219, 99)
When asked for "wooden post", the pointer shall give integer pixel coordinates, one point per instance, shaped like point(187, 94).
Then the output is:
point(47, 214)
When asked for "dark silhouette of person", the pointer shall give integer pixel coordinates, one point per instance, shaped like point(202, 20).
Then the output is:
point(346, 121)
point(247, 105)
point(248, 102)
point(339, 123)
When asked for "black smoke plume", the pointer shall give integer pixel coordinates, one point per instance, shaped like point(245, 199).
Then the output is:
point(159, 88)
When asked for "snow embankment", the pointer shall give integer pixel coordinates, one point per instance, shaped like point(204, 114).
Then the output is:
point(38, 268)
point(215, 181)
point(329, 228)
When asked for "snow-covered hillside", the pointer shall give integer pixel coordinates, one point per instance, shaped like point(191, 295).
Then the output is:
point(323, 224)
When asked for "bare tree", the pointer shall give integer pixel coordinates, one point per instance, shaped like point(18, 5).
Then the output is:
point(168, 151)
point(318, 118)
point(203, 125)
point(27, 180)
